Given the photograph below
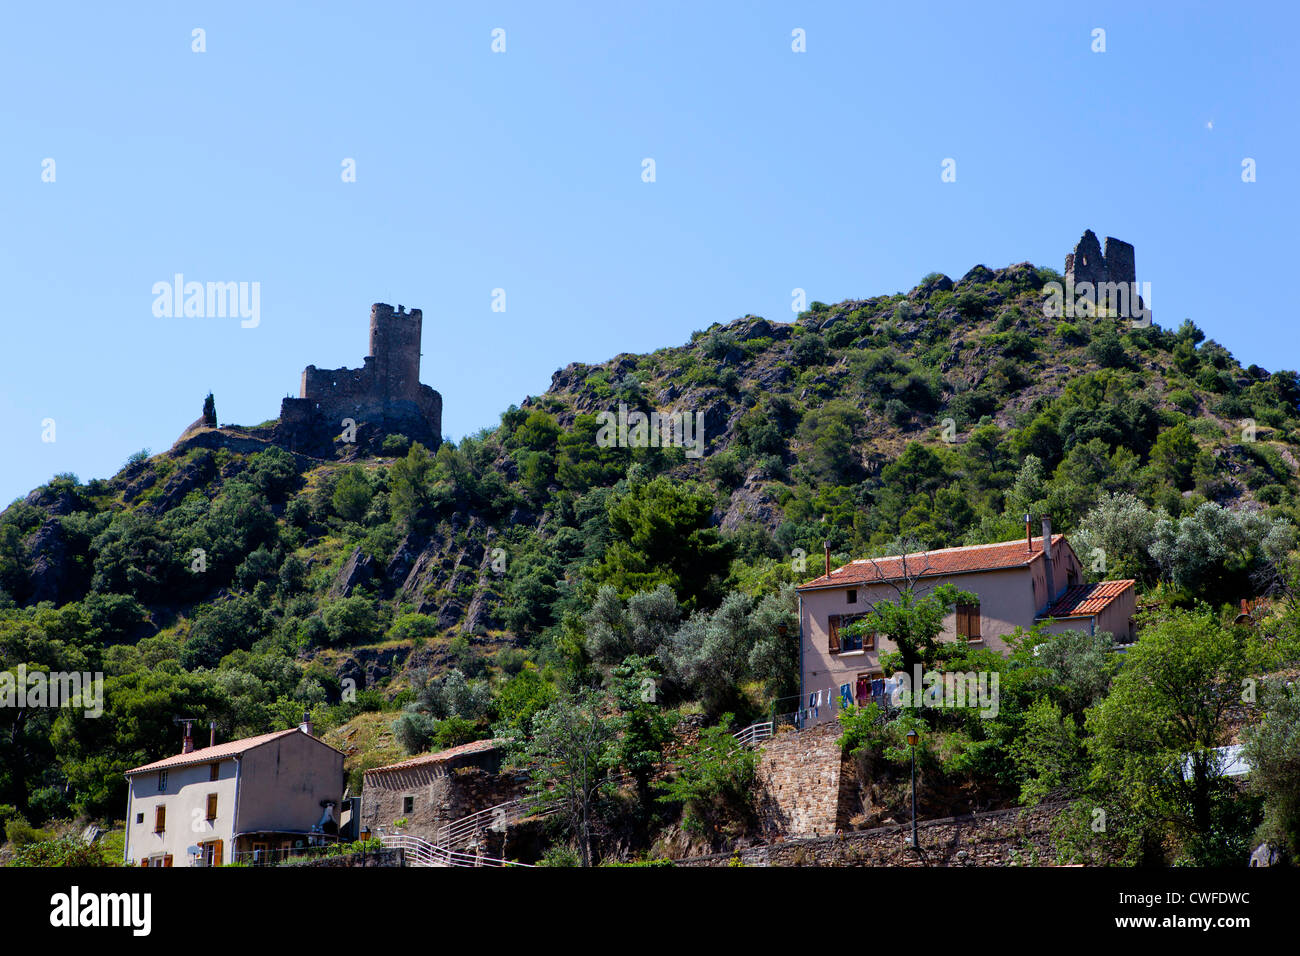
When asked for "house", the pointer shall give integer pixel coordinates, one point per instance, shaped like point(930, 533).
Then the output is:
point(422, 795)
point(1016, 584)
point(250, 800)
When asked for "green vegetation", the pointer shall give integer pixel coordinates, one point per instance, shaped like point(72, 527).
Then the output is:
point(527, 581)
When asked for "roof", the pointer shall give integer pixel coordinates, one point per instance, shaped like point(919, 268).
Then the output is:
point(1087, 600)
point(233, 748)
point(930, 564)
point(464, 750)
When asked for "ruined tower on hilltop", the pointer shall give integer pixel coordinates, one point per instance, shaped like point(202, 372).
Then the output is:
point(382, 397)
point(1088, 263)
point(1108, 279)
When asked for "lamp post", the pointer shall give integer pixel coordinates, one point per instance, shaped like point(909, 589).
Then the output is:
point(913, 738)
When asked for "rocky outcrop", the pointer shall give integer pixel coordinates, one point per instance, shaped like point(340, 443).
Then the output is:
point(357, 570)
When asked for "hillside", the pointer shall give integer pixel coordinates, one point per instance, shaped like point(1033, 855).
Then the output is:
point(461, 590)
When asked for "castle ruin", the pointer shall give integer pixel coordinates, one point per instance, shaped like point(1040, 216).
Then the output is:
point(382, 397)
point(1088, 263)
point(1107, 279)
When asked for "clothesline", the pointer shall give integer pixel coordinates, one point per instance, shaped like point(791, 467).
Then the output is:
point(842, 696)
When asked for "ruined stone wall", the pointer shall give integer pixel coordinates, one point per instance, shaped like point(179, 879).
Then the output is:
point(1003, 838)
point(806, 791)
point(1088, 263)
point(442, 794)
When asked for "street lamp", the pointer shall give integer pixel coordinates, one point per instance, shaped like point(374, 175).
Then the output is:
point(913, 738)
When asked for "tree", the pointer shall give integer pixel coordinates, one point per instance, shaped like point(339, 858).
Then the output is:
point(915, 620)
point(715, 783)
point(1272, 750)
point(410, 492)
point(1152, 741)
point(1115, 537)
point(568, 758)
point(663, 533)
point(352, 494)
point(643, 726)
point(1174, 455)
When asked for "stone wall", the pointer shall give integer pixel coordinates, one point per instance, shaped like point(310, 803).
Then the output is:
point(441, 794)
point(1002, 838)
point(806, 790)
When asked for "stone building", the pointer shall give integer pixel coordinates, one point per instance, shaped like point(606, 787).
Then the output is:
point(382, 397)
point(433, 790)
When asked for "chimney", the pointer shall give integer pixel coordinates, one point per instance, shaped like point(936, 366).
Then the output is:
point(212, 733)
point(187, 744)
point(306, 726)
point(1029, 532)
point(1047, 558)
point(826, 546)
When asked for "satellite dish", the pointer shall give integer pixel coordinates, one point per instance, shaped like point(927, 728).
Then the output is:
point(192, 850)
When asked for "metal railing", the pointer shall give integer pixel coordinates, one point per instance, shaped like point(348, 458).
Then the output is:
point(419, 852)
point(755, 733)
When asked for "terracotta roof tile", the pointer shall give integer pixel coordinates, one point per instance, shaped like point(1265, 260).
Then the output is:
point(224, 751)
point(929, 564)
point(1086, 600)
point(476, 746)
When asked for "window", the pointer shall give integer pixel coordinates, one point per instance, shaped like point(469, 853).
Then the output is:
point(162, 781)
point(159, 818)
point(212, 806)
point(852, 597)
point(968, 621)
point(843, 642)
point(408, 804)
point(214, 772)
point(139, 818)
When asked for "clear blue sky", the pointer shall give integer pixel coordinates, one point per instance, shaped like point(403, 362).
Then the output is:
point(522, 171)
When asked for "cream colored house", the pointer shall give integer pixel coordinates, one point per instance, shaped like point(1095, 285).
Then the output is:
point(253, 800)
point(1016, 584)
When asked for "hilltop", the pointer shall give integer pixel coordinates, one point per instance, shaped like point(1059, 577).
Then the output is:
point(246, 575)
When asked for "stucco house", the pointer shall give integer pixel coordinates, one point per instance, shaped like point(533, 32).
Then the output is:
point(1016, 584)
point(250, 800)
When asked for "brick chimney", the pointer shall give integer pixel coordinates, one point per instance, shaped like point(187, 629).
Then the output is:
point(187, 743)
point(212, 733)
point(1029, 532)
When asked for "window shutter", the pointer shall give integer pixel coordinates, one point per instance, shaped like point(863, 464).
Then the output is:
point(167, 860)
point(216, 854)
point(834, 626)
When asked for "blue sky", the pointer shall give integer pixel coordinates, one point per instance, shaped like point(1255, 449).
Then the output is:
point(521, 170)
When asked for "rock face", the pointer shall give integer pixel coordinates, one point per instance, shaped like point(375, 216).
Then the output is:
point(382, 397)
point(49, 563)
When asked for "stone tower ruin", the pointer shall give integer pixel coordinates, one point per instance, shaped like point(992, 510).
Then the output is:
point(382, 397)
point(1088, 263)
